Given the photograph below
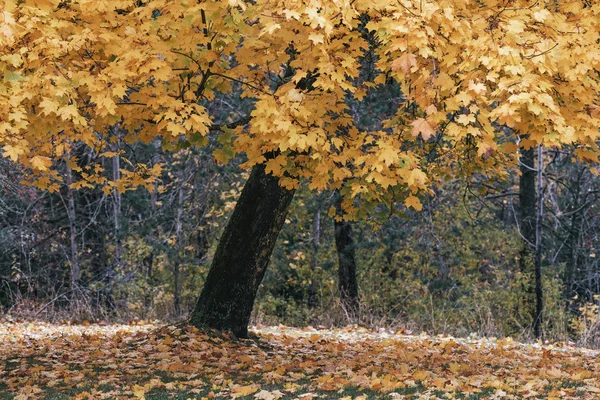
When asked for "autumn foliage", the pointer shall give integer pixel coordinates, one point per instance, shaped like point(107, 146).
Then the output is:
point(467, 70)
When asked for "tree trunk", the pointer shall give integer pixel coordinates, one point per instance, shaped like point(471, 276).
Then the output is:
point(527, 219)
point(242, 255)
point(116, 175)
point(572, 260)
point(178, 247)
point(75, 267)
point(316, 234)
point(539, 290)
point(115, 267)
point(344, 244)
point(149, 260)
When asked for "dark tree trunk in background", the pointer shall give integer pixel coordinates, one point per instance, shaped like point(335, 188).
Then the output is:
point(178, 247)
point(539, 290)
point(242, 255)
point(572, 260)
point(314, 263)
point(149, 260)
point(344, 244)
point(75, 267)
point(527, 219)
point(117, 209)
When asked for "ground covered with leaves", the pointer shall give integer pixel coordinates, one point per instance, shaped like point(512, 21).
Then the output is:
point(104, 362)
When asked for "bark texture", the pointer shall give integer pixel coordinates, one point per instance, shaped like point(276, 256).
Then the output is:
point(178, 248)
point(117, 200)
point(75, 266)
point(242, 255)
point(539, 290)
point(527, 229)
point(344, 244)
point(572, 259)
point(314, 262)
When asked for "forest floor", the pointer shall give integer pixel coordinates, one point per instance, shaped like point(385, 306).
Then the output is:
point(45, 361)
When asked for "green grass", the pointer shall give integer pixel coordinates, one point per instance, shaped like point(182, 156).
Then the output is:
point(4, 394)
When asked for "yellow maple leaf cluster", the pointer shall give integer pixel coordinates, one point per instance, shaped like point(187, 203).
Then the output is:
point(478, 80)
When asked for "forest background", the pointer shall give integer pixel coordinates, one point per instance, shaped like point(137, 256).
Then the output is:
point(452, 267)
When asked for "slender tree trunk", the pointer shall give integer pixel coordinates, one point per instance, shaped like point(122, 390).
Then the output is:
point(573, 260)
point(178, 247)
point(118, 255)
point(75, 267)
point(539, 290)
point(148, 263)
point(316, 235)
point(154, 210)
point(116, 175)
point(527, 218)
point(242, 255)
point(155, 160)
point(344, 244)
point(202, 235)
point(573, 241)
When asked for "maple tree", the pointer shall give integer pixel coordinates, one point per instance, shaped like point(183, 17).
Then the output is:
point(467, 70)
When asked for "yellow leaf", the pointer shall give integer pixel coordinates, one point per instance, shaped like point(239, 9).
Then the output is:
point(139, 392)
point(13, 59)
point(417, 178)
point(239, 391)
point(516, 26)
point(316, 38)
point(289, 14)
point(270, 28)
point(175, 128)
point(414, 202)
point(12, 152)
point(41, 163)
point(275, 165)
point(541, 15)
point(420, 375)
point(106, 106)
point(360, 94)
point(48, 106)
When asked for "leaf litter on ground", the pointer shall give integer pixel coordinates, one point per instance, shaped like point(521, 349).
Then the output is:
point(40, 360)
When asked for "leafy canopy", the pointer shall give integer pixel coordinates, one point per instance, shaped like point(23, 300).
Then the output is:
point(468, 70)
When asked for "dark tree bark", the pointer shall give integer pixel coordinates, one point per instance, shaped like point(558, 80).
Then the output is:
point(75, 266)
point(314, 263)
point(344, 244)
point(117, 209)
point(539, 290)
point(178, 247)
point(527, 219)
point(572, 259)
point(242, 255)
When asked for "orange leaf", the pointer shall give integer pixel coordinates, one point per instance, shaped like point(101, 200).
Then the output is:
point(422, 127)
point(404, 63)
